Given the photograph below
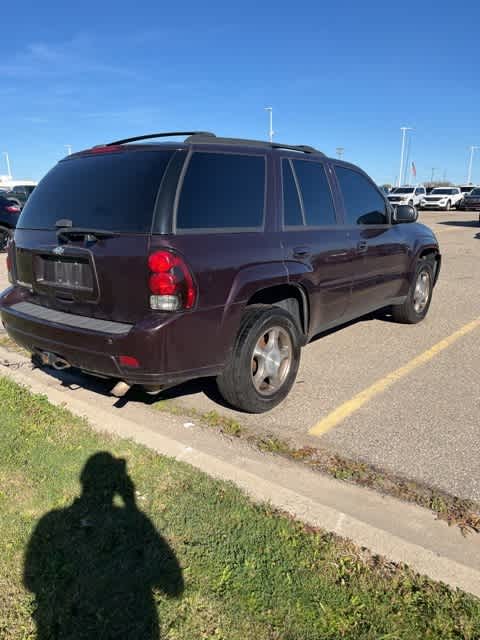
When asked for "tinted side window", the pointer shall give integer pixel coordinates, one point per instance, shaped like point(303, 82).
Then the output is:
point(222, 190)
point(363, 203)
point(316, 195)
point(292, 210)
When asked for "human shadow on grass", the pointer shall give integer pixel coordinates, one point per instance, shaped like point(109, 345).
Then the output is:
point(94, 566)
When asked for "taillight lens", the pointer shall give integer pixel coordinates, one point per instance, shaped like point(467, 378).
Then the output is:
point(11, 208)
point(171, 283)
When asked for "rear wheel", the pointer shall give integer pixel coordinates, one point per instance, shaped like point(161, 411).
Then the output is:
point(5, 235)
point(416, 305)
point(264, 362)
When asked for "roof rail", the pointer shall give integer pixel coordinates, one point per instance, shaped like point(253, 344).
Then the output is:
point(167, 134)
point(201, 138)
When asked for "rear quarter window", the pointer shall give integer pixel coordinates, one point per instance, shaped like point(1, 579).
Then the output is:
point(222, 191)
point(114, 191)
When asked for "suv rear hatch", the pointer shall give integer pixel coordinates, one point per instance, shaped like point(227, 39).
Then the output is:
point(82, 240)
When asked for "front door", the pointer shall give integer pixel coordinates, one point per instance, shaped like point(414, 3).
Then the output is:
point(381, 252)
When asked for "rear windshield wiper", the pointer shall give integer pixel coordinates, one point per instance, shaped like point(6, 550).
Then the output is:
point(90, 234)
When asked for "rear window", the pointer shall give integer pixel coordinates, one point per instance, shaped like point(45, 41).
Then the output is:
point(222, 191)
point(114, 191)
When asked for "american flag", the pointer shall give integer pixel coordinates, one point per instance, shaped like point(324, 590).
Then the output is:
point(414, 170)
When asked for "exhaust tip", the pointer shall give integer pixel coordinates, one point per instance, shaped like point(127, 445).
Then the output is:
point(120, 389)
point(59, 364)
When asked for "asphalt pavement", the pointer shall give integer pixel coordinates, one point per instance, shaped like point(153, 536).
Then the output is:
point(426, 425)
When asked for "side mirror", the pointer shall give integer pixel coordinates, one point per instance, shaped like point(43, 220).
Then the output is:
point(404, 213)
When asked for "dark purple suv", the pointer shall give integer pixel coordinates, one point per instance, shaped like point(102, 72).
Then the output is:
point(156, 263)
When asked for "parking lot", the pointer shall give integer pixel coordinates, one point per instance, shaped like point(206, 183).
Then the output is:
point(425, 424)
point(404, 398)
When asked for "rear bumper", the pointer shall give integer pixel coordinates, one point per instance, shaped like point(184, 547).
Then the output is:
point(170, 348)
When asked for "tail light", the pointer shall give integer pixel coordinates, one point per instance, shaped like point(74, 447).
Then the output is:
point(171, 283)
point(12, 208)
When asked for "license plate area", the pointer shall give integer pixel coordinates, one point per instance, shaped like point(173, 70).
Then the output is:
point(66, 273)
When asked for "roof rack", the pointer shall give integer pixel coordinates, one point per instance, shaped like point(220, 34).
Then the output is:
point(200, 138)
point(168, 134)
point(205, 137)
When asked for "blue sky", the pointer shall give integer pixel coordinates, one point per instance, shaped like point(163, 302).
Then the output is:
point(341, 73)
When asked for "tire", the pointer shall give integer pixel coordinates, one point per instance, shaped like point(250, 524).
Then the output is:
point(415, 307)
point(5, 235)
point(448, 206)
point(239, 383)
point(410, 202)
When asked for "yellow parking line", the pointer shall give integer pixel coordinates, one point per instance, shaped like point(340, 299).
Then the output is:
point(345, 410)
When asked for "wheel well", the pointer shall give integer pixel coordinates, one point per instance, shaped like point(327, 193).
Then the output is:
point(432, 253)
point(289, 297)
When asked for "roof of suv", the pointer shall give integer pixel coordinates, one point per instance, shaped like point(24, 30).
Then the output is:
point(201, 137)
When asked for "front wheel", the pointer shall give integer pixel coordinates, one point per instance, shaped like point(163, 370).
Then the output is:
point(264, 362)
point(416, 305)
point(5, 235)
point(448, 206)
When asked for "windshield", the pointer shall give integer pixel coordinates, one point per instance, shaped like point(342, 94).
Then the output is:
point(475, 192)
point(404, 190)
point(112, 191)
point(466, 189)
point(444, 192)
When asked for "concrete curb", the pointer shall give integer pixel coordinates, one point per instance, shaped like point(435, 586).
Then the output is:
point(399, 531)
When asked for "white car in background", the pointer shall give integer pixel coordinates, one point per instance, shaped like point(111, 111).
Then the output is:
point(442, 198)
point(407, 195)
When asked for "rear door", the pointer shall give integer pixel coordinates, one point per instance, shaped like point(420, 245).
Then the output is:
point(318, 250)
point(102, 274)
point(381, 250)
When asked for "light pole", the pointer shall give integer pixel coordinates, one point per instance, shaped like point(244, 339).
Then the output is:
point(433, 173)
point(400, 173)
point(270, 130)
point(68, 147)
point(472, 150)
point(340, 151)
point(7, 160)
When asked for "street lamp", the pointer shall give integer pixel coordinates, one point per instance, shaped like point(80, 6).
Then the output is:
point(270, 130)
point(472, 150)
point(7, 160)
point(400, 173)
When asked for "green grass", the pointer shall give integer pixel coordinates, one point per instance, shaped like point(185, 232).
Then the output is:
point(182, 548)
